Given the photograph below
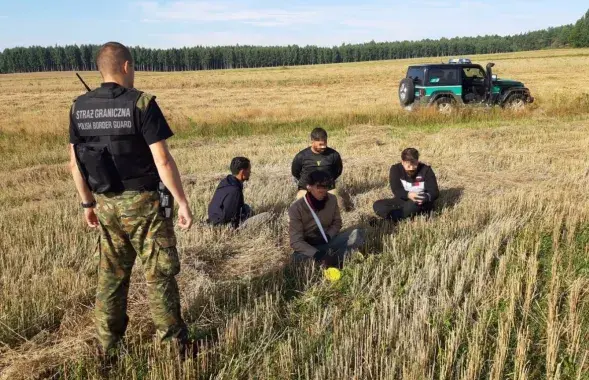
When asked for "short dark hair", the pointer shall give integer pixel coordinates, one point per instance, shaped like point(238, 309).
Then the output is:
point(319, 177)
point(238, 164)
point(111, 57)
point(319, 134)
point(410, 154)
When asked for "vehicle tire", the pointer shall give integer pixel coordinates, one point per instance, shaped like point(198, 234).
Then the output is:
point(445, 105)
point(515, 102)
point(406, 92)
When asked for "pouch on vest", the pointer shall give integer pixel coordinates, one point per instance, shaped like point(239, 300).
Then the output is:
point(97, 167)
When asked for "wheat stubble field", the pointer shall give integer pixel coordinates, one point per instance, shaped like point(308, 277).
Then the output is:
point(494, 286)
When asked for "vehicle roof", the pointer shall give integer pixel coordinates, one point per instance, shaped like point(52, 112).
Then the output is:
point(447, 65)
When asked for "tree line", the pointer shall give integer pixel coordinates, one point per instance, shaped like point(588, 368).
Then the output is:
point(82, 57)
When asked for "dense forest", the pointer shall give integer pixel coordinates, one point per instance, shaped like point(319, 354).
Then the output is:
point(74, 57)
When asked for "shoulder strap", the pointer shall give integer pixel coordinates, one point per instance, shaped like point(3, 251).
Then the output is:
point(138, 115)
point(317, 221)
point(143, 100)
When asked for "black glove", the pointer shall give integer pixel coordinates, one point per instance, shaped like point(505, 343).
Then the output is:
point(327, 260)
point(320, 255)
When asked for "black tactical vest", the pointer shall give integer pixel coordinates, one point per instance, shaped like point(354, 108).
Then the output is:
point(114, 156)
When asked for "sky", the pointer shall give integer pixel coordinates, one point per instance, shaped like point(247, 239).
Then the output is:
point(164, 24)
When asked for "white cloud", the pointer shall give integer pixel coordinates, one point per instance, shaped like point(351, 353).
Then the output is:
point(239, 22)
point(265, 23)
point(206, 11)
point(150, 21)
point(167, 40)
point(407, 20)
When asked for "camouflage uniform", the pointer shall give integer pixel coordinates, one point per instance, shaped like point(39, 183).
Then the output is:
point(131, 225)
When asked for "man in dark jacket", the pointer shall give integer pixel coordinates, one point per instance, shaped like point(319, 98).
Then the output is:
point(227, 206)
point(317, 157)
point(414, 186)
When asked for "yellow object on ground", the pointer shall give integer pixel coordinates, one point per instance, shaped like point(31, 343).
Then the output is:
point(332, 274)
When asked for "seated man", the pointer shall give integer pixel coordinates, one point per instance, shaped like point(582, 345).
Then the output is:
point(414, 186)
point(316, 157)
point(227, 206)
point(315, 224)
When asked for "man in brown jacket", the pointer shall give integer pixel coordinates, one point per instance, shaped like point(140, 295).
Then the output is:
point(315, 224)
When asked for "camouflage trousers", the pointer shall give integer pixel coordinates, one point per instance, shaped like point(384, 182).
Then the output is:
point(131, 226)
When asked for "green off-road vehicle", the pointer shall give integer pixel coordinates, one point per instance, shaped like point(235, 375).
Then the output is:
point(460, 82)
